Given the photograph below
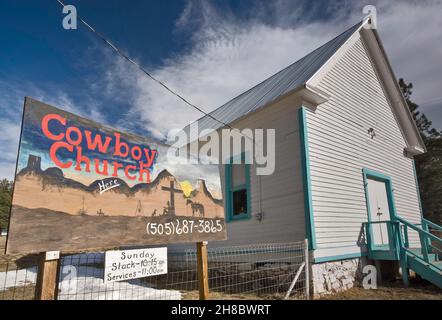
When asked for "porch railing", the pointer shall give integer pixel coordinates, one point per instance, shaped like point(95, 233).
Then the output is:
point(399, 246)
point(393, 242)
point(430, 243)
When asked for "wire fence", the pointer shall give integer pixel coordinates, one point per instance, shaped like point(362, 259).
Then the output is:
point(243, 272)
point(18, 275)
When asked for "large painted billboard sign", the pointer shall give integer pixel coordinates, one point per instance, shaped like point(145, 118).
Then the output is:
point(80, 185)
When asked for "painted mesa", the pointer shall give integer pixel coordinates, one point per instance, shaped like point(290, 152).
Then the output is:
point(81, 185)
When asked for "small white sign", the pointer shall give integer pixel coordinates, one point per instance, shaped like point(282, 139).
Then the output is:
point(121, 265)
point(52, 255)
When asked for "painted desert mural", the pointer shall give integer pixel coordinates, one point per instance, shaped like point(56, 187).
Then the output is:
point(80, 185)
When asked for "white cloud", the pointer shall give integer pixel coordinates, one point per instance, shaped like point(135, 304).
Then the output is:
point(228, 56)
point(7, 170)
point(11, 104)
point(411, 33)
point(9, 137)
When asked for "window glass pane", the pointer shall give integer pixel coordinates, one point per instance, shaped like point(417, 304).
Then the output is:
point(239, 202)
point(238, 175)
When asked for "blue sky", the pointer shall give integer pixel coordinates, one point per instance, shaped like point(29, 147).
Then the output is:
point(210, 51)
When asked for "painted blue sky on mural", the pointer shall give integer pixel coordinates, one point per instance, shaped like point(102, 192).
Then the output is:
point(209, 51)
point(87, 151)
point(34, 140)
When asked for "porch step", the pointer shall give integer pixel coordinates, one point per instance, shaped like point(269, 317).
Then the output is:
point(438, 264)
point(425, 270)
point(431, 256)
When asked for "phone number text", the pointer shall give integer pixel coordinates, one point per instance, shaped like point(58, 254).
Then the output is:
point(179, 227)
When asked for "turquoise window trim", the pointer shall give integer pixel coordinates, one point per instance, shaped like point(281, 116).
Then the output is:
point(239, 187)
point(418, 189)
point(305, 161)
point(229, 191)
point(367, 173)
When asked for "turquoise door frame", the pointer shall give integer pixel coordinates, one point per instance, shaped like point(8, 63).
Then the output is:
point(371, 174)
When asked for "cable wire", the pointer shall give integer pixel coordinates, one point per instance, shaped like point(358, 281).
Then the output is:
point(126, 57)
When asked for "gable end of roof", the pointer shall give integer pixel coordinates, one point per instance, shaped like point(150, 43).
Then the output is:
point(290, 79)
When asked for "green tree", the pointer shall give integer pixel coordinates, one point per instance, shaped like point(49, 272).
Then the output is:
point(428, 165)
point(5, 202)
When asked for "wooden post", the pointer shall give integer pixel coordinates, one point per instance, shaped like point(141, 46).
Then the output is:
point(292, 285)
point(47, 276)
point(203, 270)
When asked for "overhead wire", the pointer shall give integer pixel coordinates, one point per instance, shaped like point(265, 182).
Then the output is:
point(152, 77)
point(142, 69)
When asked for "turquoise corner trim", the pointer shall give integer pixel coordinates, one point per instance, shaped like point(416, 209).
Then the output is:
point(367, 173)
point(305, 161)
point(418, 189)
point(228, 181)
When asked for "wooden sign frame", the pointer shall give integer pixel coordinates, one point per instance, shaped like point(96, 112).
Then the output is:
point(66, 196)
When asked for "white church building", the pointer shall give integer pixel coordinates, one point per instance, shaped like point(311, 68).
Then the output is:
point(344, 177)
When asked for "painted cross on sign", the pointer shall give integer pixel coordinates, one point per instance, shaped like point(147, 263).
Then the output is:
point(170, 210)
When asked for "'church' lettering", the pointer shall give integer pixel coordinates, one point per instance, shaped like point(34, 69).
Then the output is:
point(72, 140)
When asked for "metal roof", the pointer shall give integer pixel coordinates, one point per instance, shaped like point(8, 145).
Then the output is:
point(283, 82)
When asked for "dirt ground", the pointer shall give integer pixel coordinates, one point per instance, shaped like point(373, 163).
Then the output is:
point(418, 290)
point(194, 295)
point(18, 293)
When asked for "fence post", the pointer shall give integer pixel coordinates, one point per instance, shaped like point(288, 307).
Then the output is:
point(307, 270)
point(47, 276)
point(203, 270)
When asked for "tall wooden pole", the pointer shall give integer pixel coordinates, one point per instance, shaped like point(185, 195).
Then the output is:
point(47, 276)
point(203, 270)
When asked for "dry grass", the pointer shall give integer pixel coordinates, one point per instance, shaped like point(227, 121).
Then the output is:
point(194, 295)
point(18, 293)
point(13, 262)
point(391, 291)
point(2, 245)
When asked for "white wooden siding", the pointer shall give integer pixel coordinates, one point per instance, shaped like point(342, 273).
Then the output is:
point(340, 148)
point(281, 193)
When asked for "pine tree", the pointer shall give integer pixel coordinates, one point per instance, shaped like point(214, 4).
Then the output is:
point(428, 165)
point(5, 202)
